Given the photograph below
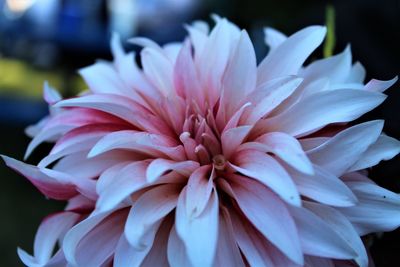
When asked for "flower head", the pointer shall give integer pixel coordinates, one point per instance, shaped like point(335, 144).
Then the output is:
point(204, 158)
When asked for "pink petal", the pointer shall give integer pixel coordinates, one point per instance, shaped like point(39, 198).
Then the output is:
point(269, 172)
point(146, 215)
point(186, 80)
point(80, 166)
point(290, 55)
point(285, 147)
point(199, 188)
point(160, 166)
point(200, 251)
point(339, 153)
point(126, 181)
point(273, 220)
point(153, 144)
point(93, 241)
point(118, 106)
point(52, 184)
point(231, 139)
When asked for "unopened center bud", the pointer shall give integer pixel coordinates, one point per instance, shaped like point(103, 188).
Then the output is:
point(219, 162)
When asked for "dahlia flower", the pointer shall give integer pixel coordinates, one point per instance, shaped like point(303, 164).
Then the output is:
point(202, 157)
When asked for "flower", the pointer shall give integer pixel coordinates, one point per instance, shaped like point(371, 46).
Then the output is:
point(204, 158)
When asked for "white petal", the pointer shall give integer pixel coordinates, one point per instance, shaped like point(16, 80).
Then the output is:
point(357, 73)
point(158, 69)
point(176, 251)
point(128, 180)
point(379, 86)
point(127, 255)
point(147, 214)
point(159, 166)
point(376, 211)
point(335, 68)
point(318, 238)
point(240, 75)
point(323, 108)
point(50, 231)
point(273, 38)
point(92, 241)
point(384, 148)
point(269, 95)
point(290, 55)
point(325, 188)
point(339, 153)
point(339, 223)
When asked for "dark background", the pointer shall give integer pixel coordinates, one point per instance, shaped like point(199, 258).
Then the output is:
point(55, 44)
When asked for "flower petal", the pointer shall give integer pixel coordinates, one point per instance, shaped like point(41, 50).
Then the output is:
point(268, 171)
point(146, 215)
point(53, 184)
point(92, 241)
point(269, 95)
point(290, 55)
point(340, 152)
point(376, 211)
point(324, 187)
point(232, 138)
point(273, 38)
point(341, 105)
point(318, 238)
point(339, 223)
point(228, 253)
point(273, 220)
point(159, 166)
point(384, 148)
point(240, 75)
point(200, 251)
point(126, 181)
point(199, 188)
point(285, 147)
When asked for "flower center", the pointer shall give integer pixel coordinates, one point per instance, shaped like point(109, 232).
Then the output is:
point(219, 162)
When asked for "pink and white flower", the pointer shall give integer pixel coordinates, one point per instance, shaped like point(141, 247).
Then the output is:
point(204, 158)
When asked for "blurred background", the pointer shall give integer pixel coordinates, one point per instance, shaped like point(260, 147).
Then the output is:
point(50, 39)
